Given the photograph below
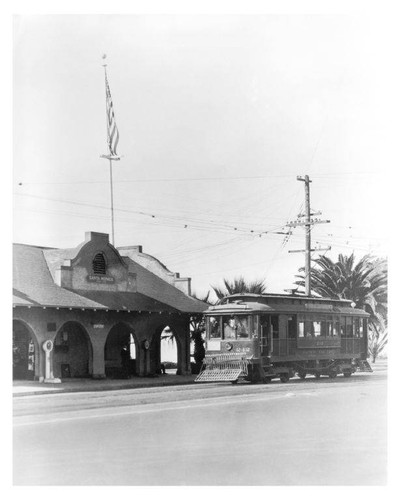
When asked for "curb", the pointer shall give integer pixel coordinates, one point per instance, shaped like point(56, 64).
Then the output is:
point(39, 392)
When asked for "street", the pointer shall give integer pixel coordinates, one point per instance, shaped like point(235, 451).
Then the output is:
point(311, 432)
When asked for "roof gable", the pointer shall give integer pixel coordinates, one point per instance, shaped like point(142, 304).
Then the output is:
point(62, 278)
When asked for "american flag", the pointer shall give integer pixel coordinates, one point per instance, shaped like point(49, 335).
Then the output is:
point(112, 130)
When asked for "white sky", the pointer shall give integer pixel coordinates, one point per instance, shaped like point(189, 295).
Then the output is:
point(217, 116)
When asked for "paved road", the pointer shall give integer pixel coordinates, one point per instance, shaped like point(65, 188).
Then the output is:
point(326, 432)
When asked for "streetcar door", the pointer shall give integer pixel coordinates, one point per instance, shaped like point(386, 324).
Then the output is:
point(269, 333)
point(264, 328)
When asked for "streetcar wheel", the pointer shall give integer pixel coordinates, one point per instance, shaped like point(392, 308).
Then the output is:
point(317, 375)
point(284, 378)
point(332, 374)
point(234, 382)
point(347, 374)
point(302, 375)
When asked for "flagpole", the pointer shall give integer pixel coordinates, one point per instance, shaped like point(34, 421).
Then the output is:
point(112, 139)
point(112, 205)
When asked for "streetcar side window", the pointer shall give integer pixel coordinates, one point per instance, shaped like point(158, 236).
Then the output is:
point(317, 328)
point(214, 327)
point(328, 327)
point(349, 326)
point(336, 326)
point(342, 326)
point(292, 327)
point(363, 326)
point(301, 329)
point(308, 328)
point(357, 327)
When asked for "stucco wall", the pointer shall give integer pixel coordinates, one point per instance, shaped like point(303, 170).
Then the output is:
point(46, 323)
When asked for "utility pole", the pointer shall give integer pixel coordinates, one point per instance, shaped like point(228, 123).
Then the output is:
point(308, 222)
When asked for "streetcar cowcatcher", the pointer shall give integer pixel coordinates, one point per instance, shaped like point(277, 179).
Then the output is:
point(223, 367)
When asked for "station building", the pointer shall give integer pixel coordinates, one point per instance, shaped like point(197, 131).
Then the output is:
point(96, 311)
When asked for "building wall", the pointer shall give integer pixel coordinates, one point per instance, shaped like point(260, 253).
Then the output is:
point(80, 332)
point(46, 323)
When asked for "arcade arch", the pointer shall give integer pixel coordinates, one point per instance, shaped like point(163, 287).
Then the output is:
point(72, 355)
point(121, 352)
point(165, 351)
point(25, 352)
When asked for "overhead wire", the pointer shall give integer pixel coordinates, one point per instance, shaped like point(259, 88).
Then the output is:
point(199, 179)
point(194, 223)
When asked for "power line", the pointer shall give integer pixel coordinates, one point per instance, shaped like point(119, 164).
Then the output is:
point(193, 223)
point(194, 179)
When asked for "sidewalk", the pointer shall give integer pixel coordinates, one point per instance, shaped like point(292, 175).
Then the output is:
point(29, 388)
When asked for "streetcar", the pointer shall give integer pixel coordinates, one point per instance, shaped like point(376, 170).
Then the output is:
point(258, 338)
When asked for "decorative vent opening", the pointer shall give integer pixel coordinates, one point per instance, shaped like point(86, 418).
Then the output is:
point(99, 264)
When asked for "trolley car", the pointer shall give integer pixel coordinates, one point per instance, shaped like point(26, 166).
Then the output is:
point(261, 337)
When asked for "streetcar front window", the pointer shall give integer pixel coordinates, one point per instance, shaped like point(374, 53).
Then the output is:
point(236, 327)
point(214, 327)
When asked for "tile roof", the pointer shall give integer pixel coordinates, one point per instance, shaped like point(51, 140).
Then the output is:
point(34, 286)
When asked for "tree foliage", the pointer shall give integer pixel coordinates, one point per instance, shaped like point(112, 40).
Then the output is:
point(240, 285)
point(378, 338)
point(364, 282)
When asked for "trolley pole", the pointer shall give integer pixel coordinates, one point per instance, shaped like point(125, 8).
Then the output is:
point(308, 222)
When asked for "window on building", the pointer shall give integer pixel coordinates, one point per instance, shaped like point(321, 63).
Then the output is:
point(99, 264)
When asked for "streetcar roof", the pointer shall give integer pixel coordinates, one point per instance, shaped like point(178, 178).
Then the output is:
point(284, 297)
point(251, 307)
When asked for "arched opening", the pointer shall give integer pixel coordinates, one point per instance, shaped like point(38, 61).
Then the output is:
point(168, 352)
point(99, 264)
point(25, 352)
point(72, 356)
point(120, 352)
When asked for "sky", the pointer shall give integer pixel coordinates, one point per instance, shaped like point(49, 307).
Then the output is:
point(217, 115)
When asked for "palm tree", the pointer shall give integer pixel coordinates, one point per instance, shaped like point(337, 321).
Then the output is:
point(363, 282)
point(239, 285)
point(378, 338)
